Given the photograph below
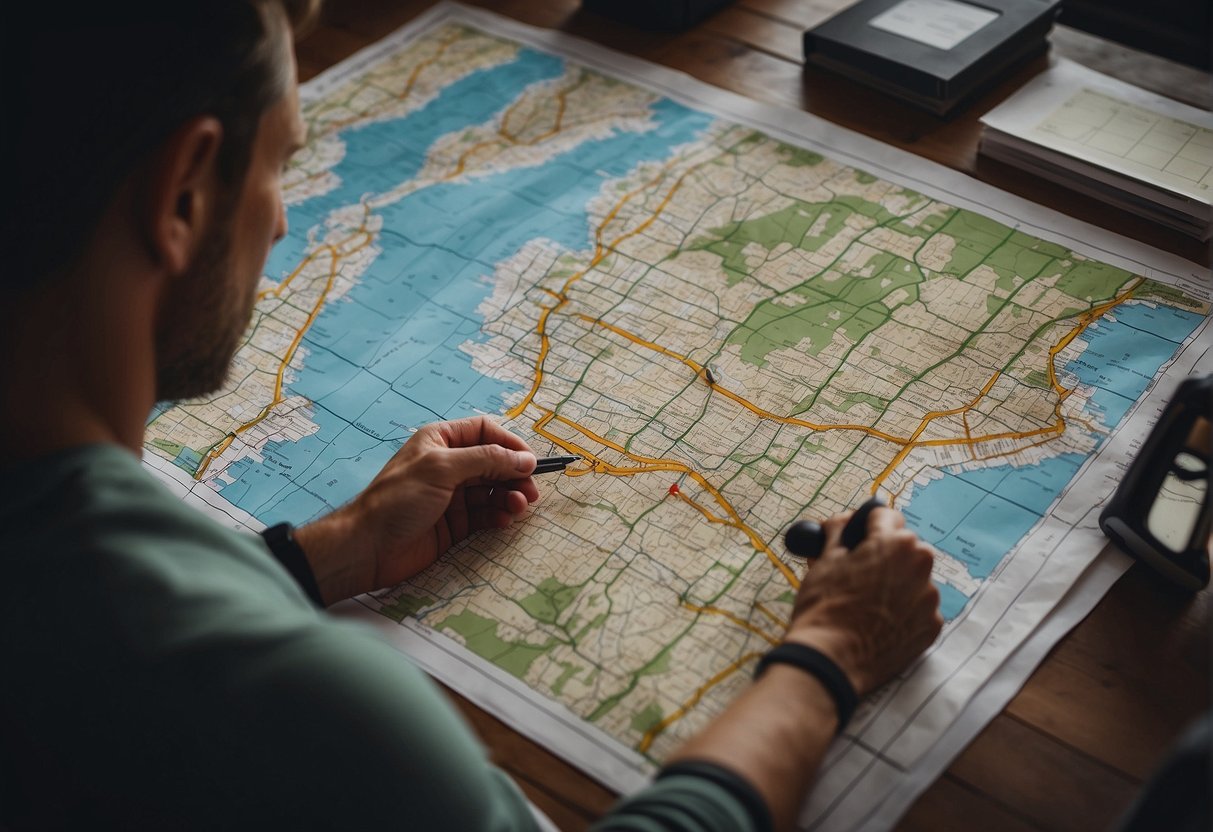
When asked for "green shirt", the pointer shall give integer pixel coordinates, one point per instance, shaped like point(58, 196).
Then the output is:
point(164, 671)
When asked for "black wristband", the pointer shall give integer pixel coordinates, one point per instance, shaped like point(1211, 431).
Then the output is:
point(286, 550)
point(734, 784)
point(823, 668)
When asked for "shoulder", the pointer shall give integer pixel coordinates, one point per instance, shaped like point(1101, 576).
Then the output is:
point(146, 633)
point(91, 538)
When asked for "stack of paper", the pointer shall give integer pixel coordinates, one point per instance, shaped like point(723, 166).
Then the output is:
point(1111, 140)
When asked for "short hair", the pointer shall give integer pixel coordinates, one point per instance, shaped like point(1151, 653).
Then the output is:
point(91, 89)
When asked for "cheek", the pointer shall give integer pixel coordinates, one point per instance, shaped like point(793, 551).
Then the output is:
point(264, 226)
point(272, 212)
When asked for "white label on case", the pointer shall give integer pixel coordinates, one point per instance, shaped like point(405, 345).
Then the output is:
point(938, 23)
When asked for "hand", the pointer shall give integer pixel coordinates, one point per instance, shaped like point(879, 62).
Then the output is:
point(449, 479)
point(872, 609)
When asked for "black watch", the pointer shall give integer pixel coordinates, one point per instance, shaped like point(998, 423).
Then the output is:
point(821, 666)
point(286, 550)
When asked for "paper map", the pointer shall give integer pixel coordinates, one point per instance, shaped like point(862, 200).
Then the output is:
point(492, 219)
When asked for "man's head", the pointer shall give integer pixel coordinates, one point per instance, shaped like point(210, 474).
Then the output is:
point(181, 111)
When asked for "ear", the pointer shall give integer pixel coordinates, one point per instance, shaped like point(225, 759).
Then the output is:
point(182, 192)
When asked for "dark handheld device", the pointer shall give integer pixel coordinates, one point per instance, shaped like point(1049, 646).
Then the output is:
point(656, 15)
point(1162, 509)
point(806, 538)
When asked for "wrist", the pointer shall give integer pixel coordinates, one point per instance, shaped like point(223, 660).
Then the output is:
point(811, 663)
point(840, 646)
point(808, 690)
point(337, 560)
point(284, 546)
point(785, 709)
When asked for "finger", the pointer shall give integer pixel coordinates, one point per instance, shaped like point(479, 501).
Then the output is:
point(927, 603)
point(480, 463)
point(460, 433)
point(932, 600)
point(885, 520)
point(456, 517)
point(500, 496)
point(516, 502)
point(493, 433)
point(479, 495)
point(489, 518)
point(527, 488)
point(924, 561)
point(833, 528)
point(480, 430)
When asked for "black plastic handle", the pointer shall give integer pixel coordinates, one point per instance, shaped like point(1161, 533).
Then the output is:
point(806, 538)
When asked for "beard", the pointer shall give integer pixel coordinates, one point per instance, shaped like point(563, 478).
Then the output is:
point(203, 316)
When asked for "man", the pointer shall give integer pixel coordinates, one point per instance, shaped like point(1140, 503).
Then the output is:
point(164, 672)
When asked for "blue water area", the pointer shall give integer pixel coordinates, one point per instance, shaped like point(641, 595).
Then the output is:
point(188, 459)
point(970, 522)
point(951, 601)
point(1125, 351)
point(977, 516)
point(1032, 487)
point(383, 154)
point(386, 358)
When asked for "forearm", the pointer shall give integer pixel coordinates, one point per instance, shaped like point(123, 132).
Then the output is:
point(774, 736)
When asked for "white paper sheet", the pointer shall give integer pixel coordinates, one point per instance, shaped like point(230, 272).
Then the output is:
point(1115, 126)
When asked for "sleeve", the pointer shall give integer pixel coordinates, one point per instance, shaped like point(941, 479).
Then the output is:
point(205, 710)
point(358, 732)
point(167, 674)
point(691, 797)
point(347, 731)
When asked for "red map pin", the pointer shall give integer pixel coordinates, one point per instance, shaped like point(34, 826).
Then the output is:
point(674, 489)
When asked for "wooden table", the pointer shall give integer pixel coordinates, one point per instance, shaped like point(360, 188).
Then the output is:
point(1072, 748)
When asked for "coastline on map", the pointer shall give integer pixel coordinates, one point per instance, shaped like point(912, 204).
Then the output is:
point(1122, 353)
point(439, 246)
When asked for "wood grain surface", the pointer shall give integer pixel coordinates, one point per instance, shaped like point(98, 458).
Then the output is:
point(1073, 747)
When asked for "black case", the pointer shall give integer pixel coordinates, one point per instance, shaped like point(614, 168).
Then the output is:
point(933, 78)
point(661, 15)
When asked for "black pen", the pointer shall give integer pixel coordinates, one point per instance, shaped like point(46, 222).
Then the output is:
point(548, 464)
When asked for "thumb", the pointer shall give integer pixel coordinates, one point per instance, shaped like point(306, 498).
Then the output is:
point(489, 462)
